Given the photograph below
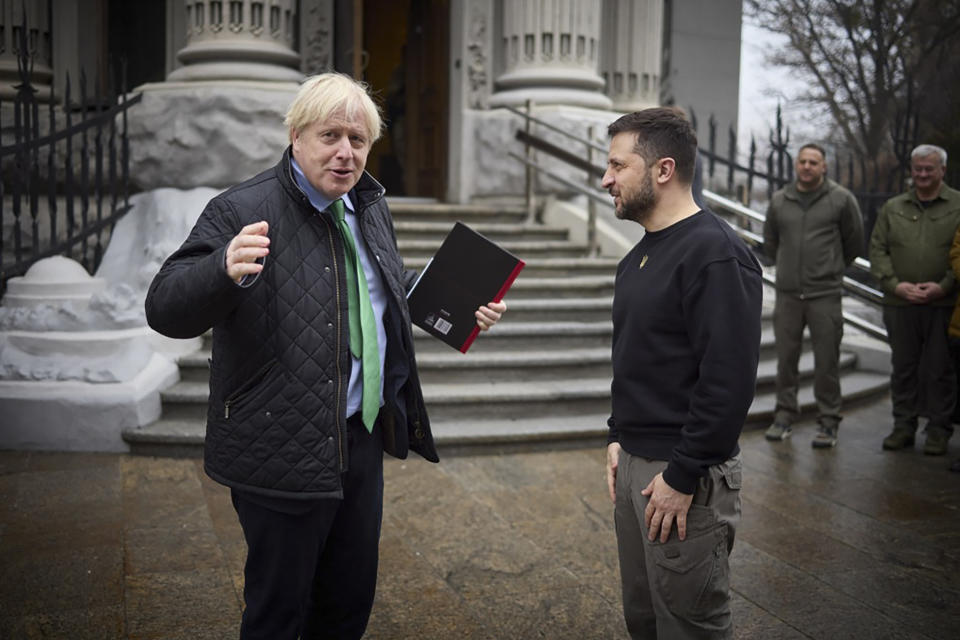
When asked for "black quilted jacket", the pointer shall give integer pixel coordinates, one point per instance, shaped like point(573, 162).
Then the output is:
point(276, 422)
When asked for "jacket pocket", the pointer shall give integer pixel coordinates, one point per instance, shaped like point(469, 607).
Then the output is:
point(943, 227)
point(261, 386)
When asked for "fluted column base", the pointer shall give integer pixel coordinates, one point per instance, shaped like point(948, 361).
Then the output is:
point(550, 96)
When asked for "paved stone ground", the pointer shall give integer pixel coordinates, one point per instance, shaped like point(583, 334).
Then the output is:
point(848, 543)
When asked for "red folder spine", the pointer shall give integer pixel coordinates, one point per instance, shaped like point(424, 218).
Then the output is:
point(503, 290)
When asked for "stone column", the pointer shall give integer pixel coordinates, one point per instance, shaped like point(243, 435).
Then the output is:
point(550, 50)
point(219, 118)
point(38, 45)
point(239, 40)
point(630, 59)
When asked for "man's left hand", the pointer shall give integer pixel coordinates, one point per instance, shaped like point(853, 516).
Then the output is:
point(930, 290)
point(488, 314)
point(666, 506)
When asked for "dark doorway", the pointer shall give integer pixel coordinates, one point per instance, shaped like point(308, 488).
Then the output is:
point(406, 42)
point(135, 33)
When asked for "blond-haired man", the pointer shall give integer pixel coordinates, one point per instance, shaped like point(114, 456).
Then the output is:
point(313, 373)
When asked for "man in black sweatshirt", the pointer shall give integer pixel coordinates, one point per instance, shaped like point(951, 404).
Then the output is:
point(686, 339)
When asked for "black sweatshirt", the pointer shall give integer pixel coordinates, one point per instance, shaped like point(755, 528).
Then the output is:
point(686, 341)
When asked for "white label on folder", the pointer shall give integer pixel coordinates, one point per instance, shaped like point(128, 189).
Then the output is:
point(442, 326)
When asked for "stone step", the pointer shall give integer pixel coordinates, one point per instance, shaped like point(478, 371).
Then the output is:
point(582, 309)
point(168, 438)
point(455, 402)
point(411, 210)
point(855, 385)
point(529, 286)
point(494, 366)
point(538, 310)
point(549, 267)
point(188, 400)
point(528, 336)
point(517, 366)
point(443, 366)
point(460, 427)
point(497, 232)
point(767, 368)
point(489, 366)
point(413, 249)
point(510, 335)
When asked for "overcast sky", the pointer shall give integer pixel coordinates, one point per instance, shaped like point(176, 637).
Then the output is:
point(762, 86)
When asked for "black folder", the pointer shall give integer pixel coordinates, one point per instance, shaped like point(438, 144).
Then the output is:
point(467, 271)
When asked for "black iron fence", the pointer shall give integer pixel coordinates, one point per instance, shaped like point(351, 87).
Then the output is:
point(744, 180)
point(63, 171)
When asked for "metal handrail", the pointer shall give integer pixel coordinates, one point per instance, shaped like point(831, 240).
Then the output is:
point(530, 141)
point(526, 115)
point(593, 194)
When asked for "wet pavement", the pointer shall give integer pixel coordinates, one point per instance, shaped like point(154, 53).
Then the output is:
point(846, 543)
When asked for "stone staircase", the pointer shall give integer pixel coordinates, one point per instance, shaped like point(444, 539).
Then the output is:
point(542, 375)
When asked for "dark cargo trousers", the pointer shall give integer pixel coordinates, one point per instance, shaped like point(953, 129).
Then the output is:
point(824, 317)
point(678, 589)
point(923, 381)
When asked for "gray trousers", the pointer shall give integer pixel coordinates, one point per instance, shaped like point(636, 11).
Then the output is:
point(923, 381)
point(824, 317)
point(678, 589)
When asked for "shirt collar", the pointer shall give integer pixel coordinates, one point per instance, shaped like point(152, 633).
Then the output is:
point(317, 199)
point(916, 197)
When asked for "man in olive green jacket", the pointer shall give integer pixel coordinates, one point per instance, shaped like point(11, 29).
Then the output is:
point(909, 255)
point(813, 230)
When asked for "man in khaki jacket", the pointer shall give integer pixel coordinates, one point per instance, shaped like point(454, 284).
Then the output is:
point(909, 255)
point(813, 230)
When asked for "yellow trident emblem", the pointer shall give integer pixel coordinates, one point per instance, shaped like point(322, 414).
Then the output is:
point(643, 261)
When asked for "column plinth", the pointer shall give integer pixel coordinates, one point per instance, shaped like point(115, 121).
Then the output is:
point(239, 40)
point(550, 53)
point(631, 57)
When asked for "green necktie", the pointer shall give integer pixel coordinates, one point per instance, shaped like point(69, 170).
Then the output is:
point(363, 326)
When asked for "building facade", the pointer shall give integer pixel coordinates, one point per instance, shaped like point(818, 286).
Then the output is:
point(441, 68)
point(213, 79)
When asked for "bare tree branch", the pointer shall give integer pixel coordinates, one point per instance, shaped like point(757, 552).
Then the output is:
point(864, 58)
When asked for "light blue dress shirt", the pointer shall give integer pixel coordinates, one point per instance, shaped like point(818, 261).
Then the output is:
point(378, 297)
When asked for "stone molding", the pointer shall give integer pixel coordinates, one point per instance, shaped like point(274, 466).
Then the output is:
point(631, 54)
point(316, 36)
point(239, 40)
point(550, 53)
